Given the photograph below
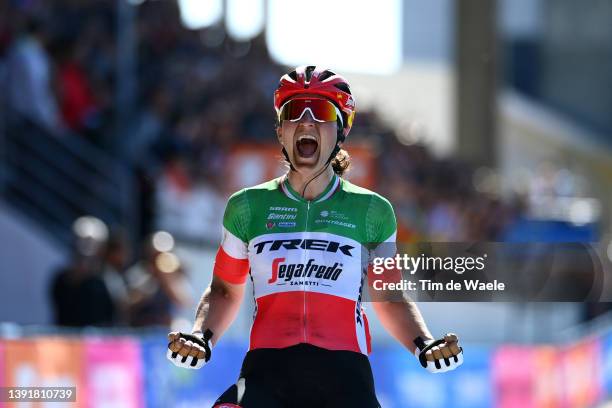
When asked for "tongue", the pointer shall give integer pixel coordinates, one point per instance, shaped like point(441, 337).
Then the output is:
point(307, 147)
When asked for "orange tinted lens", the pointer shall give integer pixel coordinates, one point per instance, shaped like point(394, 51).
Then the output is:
point(321, 110)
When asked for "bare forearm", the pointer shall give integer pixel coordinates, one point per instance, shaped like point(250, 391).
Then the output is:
point(217, 309)
point(403, 321)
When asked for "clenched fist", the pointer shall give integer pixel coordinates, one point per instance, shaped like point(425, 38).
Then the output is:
point(189, 350)
point(438, 356)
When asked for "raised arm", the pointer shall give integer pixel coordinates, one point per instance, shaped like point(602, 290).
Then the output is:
point(221, 301)
point(218, 307)
point(403, 320)
point(399, 315)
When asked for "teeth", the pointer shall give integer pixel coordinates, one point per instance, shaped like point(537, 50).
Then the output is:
point(310, 137)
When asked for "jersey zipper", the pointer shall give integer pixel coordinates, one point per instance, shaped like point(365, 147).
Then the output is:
point(304, 289)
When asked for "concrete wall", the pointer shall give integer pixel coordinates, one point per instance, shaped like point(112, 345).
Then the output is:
point(28, 260)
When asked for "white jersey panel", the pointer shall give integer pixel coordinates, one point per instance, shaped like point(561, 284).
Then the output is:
point(306, 261)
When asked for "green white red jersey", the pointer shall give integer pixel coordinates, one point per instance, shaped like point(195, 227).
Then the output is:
point(307, 260)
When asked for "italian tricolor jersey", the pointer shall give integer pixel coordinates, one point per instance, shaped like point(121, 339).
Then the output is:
point(307, 260)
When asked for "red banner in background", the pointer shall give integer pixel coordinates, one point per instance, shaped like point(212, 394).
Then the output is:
point(249, 165)
point(114, 373)
point(46, 362)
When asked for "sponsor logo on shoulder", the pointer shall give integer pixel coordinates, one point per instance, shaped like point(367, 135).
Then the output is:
point(334, 217)
point(270, 225)
point(286, 209)
point(336, 222)
point(282, 213)
point(286, 224)
point(276, 216)
point(338, 215)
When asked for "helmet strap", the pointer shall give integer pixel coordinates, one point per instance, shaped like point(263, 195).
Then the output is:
point(314, 177)
point(333, 154)
point(339, 139)
point(288, 159)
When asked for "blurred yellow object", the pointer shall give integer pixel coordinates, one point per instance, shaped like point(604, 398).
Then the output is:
point(167, 262)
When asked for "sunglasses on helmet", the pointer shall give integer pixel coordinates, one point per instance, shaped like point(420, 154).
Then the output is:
point(321, 110)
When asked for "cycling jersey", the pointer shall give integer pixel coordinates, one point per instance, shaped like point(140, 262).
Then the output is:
point(306, 259)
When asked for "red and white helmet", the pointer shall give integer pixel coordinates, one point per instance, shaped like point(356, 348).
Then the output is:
point(317, 81)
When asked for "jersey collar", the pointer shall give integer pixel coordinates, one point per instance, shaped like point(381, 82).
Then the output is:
point(331, 188)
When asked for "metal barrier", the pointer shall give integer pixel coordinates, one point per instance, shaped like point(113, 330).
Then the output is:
point(54, 179)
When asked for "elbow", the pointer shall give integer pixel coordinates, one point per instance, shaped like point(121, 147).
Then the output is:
point(223, 290)
point(219, 290)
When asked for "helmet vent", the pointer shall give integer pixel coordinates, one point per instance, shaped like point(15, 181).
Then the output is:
point(343, 87)
point(309, 70)
point(326, 74)
point(293, 75)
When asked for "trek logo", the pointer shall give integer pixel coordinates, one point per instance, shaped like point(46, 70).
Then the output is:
point(312, 244)
point(287, 272)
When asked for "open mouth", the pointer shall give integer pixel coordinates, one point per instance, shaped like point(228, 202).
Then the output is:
point(306, 146)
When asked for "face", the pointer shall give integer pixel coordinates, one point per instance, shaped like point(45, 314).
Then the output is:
point(308, 142)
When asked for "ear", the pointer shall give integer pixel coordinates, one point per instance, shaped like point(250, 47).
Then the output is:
point(279, 133)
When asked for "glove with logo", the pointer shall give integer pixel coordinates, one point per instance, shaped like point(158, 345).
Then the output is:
point(439, 356)
point(189, 350)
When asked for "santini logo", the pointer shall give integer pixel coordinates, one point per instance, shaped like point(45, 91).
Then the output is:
point(312, 244)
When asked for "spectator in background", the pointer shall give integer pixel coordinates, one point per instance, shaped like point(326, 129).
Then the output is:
point(157, 284)
point(78, 292)
point(187, 200)
point(148, 128)
point(77, 102)
point(116, 257)
point(197, 104)
point(29, 78)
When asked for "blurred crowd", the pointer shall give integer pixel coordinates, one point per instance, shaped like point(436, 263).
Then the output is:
point(101, 285)
point(198, 93)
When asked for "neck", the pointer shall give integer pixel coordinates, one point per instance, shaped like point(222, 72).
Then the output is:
point(315, 187)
